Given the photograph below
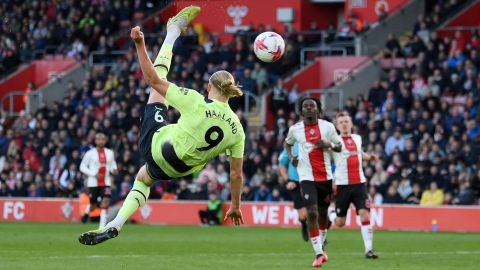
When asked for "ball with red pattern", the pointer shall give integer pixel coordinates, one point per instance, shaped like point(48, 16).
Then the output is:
point(269, 47)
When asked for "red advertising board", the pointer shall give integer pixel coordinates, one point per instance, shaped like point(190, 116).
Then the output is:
point(229, 16)
point(38, 210)
point(232, 15)
point(467, 18)
point(386, 217)
point(369, 10)
point(325, 71)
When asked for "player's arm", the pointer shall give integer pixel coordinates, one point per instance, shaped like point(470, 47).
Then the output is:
point(236, 179)
point(236, 182)
point(283, 164)
point(289, 142)
point(151, 77)
point(283, 169)
point(335, 147)
point(113, 164)
point(291, 157)
point(369, 157)
point(283, 172)
point(85, 166)
point(184, 100)
point(332, 142)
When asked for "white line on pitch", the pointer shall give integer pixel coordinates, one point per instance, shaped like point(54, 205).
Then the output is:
point(396, 253)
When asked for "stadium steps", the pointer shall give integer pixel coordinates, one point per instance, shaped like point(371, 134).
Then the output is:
point(255, 122)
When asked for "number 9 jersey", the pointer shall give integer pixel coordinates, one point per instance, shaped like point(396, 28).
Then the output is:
point(206, 128)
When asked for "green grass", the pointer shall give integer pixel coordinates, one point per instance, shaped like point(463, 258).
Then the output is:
point(55, 246)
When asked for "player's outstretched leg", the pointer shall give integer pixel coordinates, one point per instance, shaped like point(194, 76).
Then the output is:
point(94, 237)
point(184, 17)
point(174, 29)
point(164, 58)
point(136, 198)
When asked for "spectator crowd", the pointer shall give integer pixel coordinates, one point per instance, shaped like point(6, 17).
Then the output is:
point(28, 29)
point(41, 153)
point(422, 120)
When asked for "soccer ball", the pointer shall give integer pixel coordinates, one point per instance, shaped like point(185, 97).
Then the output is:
point(269, 47)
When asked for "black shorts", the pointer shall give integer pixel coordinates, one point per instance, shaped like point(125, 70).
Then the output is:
point(319, 193)
point(356, 194)
point(296, 196)
point(154, 117)
point(97, 194)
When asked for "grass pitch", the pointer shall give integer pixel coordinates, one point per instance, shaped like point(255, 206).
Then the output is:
point(55, 246)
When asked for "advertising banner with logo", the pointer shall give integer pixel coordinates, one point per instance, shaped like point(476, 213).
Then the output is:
point(386, 217)
point(39, 210)
point(230, 16)
point(370, 10)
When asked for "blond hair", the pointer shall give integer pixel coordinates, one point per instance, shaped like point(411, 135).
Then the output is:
point(223, 81)
point(342, 114)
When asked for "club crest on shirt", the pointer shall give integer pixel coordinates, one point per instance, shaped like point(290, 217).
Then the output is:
point(306, 196)
point(349, 141)
point(312, 131)
point(183, 90)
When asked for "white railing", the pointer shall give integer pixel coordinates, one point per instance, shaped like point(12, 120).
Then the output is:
point(324, 50)
point(107, 58)
point(331, 99)
point(34, 100)
point(247, 106)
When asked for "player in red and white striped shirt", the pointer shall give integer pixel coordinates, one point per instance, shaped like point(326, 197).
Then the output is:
point(316, 139)
point(98, 163)
point(350, 181)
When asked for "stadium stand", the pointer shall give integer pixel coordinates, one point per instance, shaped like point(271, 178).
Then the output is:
point(422, 119)
point(31, 29)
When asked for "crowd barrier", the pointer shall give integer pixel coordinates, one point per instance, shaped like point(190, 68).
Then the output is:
point(383, 217)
